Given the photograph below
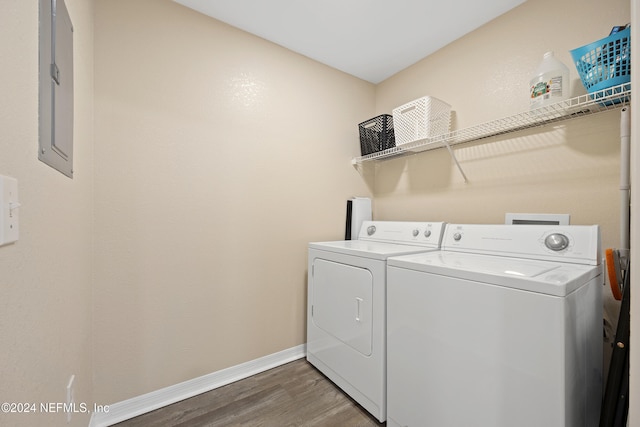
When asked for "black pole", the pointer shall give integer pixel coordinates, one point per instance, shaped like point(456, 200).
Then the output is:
point(615, 405)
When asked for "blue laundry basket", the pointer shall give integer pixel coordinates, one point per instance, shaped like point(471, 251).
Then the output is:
point(604, 63)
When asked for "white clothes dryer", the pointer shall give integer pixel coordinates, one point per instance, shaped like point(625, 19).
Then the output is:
point(501, 328)
point(346, 309)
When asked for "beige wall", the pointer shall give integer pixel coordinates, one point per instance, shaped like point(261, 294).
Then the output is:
point(45, 277)
point(219, 156)
point(570, 168)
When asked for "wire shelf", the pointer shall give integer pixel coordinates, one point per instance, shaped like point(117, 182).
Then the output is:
point(608, 99)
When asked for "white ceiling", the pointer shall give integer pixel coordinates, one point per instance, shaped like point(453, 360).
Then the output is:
point(370, 39)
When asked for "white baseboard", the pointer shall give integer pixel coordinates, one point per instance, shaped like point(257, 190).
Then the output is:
point(142, 404)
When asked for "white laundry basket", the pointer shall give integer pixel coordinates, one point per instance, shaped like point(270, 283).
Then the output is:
point(422, 118)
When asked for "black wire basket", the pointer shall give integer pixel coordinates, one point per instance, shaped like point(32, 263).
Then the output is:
point(376, 134)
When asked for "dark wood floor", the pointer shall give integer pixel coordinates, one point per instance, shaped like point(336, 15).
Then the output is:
point(292, 395)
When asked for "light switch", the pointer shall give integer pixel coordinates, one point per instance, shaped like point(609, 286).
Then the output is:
point(9, 228)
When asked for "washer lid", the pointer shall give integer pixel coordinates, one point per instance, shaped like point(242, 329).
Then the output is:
point(551, 278)
point(368, 249)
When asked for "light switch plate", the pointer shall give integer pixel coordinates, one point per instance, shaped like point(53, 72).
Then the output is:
point(9, 224)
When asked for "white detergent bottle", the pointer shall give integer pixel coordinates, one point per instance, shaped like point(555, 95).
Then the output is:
point(550, 82)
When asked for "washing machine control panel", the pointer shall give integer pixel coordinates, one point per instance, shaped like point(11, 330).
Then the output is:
point(427, 234)
point(576, 243)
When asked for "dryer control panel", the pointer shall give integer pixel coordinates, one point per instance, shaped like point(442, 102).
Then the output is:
point(404, 232)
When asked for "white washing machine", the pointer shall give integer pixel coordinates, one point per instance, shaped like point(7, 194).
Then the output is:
point(346, 310)
point(501, 328)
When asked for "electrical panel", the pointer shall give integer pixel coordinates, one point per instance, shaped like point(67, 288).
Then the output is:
point(56, 86)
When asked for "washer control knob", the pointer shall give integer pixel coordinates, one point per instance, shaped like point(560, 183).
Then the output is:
point(371, 229)
point(427, 233)
point(416, 232)
point(457, 236)
point(556, 242)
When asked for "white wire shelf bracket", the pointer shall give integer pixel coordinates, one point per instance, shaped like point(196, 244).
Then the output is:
point(608, 99)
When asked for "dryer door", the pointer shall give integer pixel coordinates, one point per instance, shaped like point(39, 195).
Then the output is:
point(342, 303)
